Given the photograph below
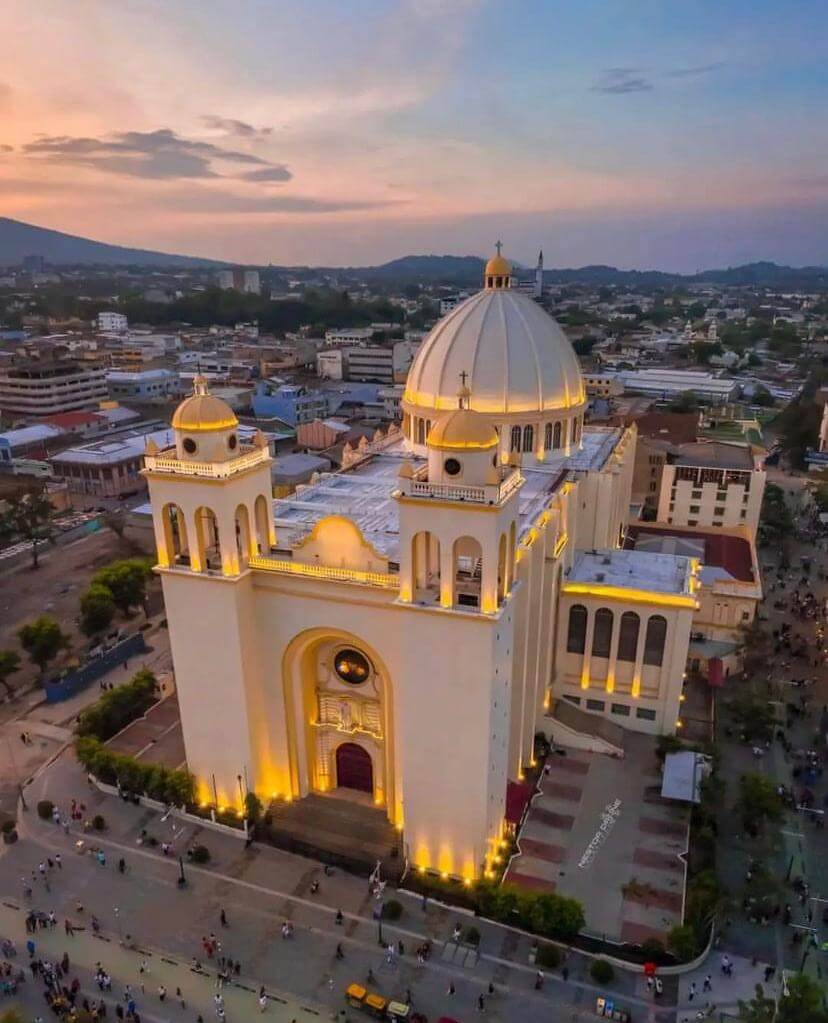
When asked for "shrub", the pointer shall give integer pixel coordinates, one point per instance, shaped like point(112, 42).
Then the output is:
point(169, 786)
point(601, 971)
point(44, 809)
point(652, 948)
point(548, 956)
point(117, 707)
point(200, 854)
point(253, 807)
point(98, 822)
point(681, 941)
point(126, 580)
point(392, 910)
point(472, 936)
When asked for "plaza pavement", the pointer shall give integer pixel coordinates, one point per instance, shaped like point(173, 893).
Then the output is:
point(600, 832)
point(261, 887)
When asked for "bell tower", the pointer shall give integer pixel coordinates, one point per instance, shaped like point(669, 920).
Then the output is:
point(212, 514)
point(458, 516)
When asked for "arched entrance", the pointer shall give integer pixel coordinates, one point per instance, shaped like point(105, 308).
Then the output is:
point(354, 769)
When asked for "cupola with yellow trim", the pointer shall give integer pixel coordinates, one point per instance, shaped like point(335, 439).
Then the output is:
point(462, 445)
point(498, 272)
point(205, 427)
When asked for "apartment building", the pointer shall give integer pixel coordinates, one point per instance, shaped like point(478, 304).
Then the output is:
point(110, 467)
point(712, 484)
point(39, 388)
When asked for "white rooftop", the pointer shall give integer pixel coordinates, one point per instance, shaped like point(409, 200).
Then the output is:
point(29, 435)
point(118, 449)
point(645, 570)
point(363, 493)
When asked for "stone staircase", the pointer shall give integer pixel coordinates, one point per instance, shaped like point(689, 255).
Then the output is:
point(338, 831)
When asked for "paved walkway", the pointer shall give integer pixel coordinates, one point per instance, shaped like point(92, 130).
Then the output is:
point(725, 991)
point(600, 832)
point(261, 887)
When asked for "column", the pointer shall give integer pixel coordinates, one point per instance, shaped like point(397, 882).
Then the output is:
point(587, 655)
point(639, 657)
point(613, 655)
point(446, 574)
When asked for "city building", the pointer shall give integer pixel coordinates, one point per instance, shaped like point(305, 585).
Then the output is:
point(110, 467)
point(371, 362)
point(292, 403)
point(112, 323)
point(602, 385)
point(659, 433)
point(349, 336)
point(142, 385)
point(712, 484)
point(670, 383)
point(33, 442)
point(407, 626)
point(41, 388)
point(239, 279)
point(330, 364)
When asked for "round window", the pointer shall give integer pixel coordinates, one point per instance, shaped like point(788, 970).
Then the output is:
point(452, 466)
point(352, 666)
point(189, 445)
point(232, 442)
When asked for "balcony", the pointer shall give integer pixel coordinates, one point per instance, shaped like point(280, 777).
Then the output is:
point(267, 563)
point(164, 463)
point(493, 493)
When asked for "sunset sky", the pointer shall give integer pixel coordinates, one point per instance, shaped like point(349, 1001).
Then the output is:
point(642, 134)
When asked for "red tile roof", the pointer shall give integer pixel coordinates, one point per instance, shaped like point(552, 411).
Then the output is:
point(732, 553)
point(66, 420)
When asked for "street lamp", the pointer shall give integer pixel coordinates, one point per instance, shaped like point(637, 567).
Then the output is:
point(241, 791)
point(182, 880)
point(378, 910)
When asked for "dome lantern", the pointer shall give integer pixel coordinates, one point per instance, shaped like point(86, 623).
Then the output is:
point(498, 272)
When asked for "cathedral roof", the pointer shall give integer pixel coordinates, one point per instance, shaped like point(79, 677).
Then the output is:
point(517, 359)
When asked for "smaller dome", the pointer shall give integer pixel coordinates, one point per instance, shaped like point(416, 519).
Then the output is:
point(498, 266)
point(462, 429)
point(203, 411)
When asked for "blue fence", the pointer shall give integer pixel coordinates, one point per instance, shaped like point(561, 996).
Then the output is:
point(63, 688)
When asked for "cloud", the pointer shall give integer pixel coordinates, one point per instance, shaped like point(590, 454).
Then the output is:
point(6, 149)
point(694, 72)
point(232, 126)
point(276, 172)
point(150, 154)
point(619, 80)
point(208, 200)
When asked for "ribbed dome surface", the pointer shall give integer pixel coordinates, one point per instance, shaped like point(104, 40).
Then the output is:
point(202, 412)
point(516, 357)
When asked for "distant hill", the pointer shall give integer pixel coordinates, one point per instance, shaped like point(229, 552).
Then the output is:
point(468, 270)
point(18, 240)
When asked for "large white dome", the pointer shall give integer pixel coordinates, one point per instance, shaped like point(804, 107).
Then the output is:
point(517, 359)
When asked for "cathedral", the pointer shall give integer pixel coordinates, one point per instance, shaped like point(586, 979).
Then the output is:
point(404, 627)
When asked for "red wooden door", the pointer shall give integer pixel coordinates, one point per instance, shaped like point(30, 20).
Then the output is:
point(354, 769)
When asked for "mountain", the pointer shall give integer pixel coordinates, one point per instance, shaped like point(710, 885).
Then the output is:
point(18, 240)
point(430, 269)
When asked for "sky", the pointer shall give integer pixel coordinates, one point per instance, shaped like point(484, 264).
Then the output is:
point(676, 136)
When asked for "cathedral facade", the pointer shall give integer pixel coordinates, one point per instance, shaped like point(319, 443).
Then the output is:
point(404, 627)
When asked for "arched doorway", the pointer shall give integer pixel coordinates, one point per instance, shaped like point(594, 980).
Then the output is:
point(354, 769)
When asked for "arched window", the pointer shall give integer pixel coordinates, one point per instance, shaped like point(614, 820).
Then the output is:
point(576, 637)
point(628, 636)
point(602, 633)
point(654, 642)
point(421, 431)
point(556, 436)
point(547, 437)
point(515, 445)
point(528, 438)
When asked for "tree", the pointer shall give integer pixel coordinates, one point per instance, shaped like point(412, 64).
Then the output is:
point(9, 664)
point(127, 582)
point(758, 802)
point(763, 397)
point(684, 402)
point(759, 1009)
point(775, 515)
point(803, 1002)
point(42, 639)
point(29, 517)
point(97, 607)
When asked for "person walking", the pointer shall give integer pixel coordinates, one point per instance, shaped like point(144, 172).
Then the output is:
point(451, 989)
point(223, 918)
